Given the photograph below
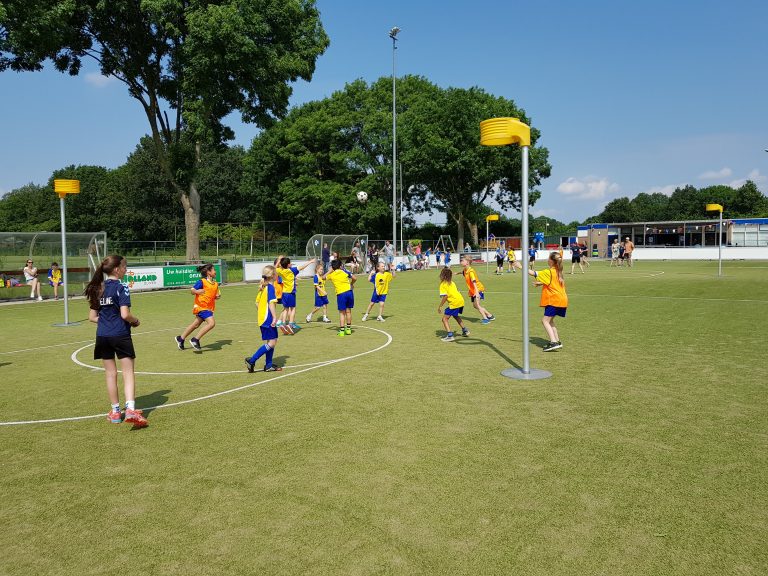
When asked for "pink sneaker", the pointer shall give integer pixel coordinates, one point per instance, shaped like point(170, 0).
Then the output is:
point(136, 417)
point(115, 417)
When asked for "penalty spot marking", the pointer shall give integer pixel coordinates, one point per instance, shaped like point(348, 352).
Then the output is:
point(223, 392)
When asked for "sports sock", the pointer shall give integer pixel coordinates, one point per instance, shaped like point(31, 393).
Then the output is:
point(260, 352)
point(270, 354)
point(130, 404)
point(116, 407)
point(450, 333)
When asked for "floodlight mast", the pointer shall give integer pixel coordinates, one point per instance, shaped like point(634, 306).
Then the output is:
point(393, 34)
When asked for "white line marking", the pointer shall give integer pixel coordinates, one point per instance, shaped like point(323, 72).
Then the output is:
point(74, 359)
point(217, 394)
point(134, 334)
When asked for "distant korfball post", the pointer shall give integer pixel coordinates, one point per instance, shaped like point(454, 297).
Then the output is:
point(488, 219)
point(718, 208)
point(62, 188)
point(504, 132)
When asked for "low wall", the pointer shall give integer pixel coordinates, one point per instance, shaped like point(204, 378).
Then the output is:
point(702, 253)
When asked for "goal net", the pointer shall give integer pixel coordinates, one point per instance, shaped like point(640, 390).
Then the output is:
point(344, 244)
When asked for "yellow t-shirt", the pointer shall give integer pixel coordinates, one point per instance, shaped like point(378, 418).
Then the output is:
point(511, 255)
point(381, 283)
point(340, 279)
point(455, 299)
point(553, 291)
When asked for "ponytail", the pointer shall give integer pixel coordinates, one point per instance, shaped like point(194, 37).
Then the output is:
point(557, 263)
point(95, 287)
point(203, 270)
point(267, 274)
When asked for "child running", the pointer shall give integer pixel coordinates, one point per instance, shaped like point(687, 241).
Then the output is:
point(266, 315)
point(321, 296)
point(206, 291)
point(450, 294)
point(110, 309)
point(345, 298)
point(554, 300)
point(288, 275)
point(476, 289)
point(380, 279)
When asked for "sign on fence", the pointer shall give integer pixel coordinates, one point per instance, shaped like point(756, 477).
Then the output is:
point(154, 277)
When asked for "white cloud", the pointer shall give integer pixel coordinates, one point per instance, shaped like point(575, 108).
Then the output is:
point(589, 188)
point(548, 212)
point(666, 190)
point(96, 79)
point(754, 175)
point(716, 174)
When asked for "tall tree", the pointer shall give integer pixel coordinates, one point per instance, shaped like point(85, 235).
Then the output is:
point(448, 168)
point(199, 60)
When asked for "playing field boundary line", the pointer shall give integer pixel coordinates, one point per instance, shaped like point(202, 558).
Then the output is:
point(221, 393)
point(92, 342)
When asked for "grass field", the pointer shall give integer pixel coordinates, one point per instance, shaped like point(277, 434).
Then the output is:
point(391, 452)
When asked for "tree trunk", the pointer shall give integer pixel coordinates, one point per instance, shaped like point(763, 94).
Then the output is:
point(473, 233)
point(460, 225)
point(191, 204)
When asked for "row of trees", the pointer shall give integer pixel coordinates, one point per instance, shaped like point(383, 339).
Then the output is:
point(308, 167)
point(686, 203)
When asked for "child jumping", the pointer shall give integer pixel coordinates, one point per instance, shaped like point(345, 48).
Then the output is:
point(380, 279)
point(321, 296)
point(288, 275)
point(206, 291)
point(476, 289)
point(266, 314)
point(345, 298)
point(554, 300)
point(450, 294)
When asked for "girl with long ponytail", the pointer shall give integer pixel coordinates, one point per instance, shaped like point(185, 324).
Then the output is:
point(554, 299)
point(110, 309)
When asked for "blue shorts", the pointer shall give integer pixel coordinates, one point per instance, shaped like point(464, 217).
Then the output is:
point(453, 311)
point(268, 333)
point(554, 311)
point(320, 301)
point(480, 294)
point(376, 298)
point(345, 300)
point(289, 300)
point(205, 314)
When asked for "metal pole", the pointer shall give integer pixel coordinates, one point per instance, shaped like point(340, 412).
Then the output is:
point(401, 210)
point(64, 261)
point(526, 352)
point(394, 145)
point(486, 247)
point(720, 245)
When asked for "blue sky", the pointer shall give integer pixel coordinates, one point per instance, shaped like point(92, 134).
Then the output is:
point(630, 97)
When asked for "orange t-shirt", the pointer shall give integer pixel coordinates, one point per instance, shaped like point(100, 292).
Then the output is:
point(470, 276)
point(553, 291)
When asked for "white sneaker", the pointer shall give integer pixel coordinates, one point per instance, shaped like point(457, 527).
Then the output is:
point(380, 319)
point(365, 317)
point(326, 319)
point(309, 317)
point(39, 298)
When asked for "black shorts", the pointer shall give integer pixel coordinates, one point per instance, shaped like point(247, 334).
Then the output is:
point(499, 262)
point(575, 259)
point(108, 346)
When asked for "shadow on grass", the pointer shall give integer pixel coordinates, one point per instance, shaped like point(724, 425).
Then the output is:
point(156, 398)
point(5, 364)
point(218, 345)
point(534, 340)
point(470, 341)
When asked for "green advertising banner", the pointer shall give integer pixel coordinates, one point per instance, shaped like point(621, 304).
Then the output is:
point(184, 275)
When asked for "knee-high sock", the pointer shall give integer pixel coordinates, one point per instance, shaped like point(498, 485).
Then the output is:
point(265, 349)
point(270, 353)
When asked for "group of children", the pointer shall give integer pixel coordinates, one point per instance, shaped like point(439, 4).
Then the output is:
point(110, 308)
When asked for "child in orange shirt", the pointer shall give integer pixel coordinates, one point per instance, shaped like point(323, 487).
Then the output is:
point(554, 300)
point(476, 289)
